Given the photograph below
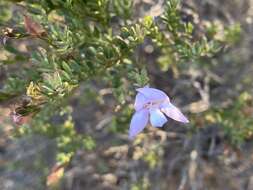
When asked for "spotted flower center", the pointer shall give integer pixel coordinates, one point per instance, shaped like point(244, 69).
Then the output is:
point(153, 104)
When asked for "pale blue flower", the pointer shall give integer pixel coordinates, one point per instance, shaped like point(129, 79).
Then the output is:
point(153, 105)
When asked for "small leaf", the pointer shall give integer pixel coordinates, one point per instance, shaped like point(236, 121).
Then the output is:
point(33, 28)
point(54, 177)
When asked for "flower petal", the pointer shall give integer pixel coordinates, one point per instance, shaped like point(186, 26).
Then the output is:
point(140, 101)
point(152, 93)
point(173, 112)
point(138, 122)
point(157, 119)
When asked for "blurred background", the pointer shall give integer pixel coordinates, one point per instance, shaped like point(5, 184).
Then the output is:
point(213, 152)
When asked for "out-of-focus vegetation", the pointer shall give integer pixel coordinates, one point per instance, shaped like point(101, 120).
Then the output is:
point(68, 74)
